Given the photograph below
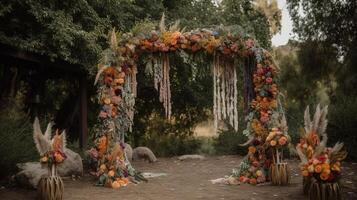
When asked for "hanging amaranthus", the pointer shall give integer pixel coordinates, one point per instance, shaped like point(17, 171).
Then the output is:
point(162, 81)
point(225, 92)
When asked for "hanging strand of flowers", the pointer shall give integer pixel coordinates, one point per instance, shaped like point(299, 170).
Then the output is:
point(225, 92)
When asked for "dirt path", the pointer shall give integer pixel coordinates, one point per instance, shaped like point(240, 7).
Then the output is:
point(187, 180)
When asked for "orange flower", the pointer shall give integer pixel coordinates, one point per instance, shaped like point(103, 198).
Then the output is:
point(325, 166)
point(318, 168)
point(252, 150)
point(111, 173)
point(324, 175)
point(102, 144)
point(57, 142)
point(103, 167)
point(116, 184)
point(283, 140)
point(58, 157)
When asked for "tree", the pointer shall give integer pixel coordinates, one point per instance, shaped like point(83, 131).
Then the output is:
point(333, 25)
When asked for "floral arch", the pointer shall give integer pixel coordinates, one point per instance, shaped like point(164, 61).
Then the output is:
point(266, 126)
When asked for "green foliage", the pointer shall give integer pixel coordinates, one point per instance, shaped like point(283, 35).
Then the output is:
point(228, 142)
point(342, 123)
point(16, 141)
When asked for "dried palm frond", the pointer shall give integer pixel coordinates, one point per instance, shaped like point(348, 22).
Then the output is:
point(319, 149)
point(307, 120)
point(162, 25)
point(302, 156)
point(48, 133)
point(336, 153)
point(113, 40)
point(175, 26)
point(42, 143)
point(283, 124)
point(316, 119)
point(250, 140)
point(100, 71)
point(319, 122)
point(64, 140)
point(321, 129)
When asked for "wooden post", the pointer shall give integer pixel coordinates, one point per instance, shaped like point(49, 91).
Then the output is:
point(83, 113)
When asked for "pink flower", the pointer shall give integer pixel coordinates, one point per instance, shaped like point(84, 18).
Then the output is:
point(269, 80)
point(103, 114)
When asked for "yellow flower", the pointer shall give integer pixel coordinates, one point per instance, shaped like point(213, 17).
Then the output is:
point(259, 173)
point(311, 168)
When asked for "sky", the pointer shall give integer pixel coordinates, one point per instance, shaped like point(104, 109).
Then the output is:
point(286, 26)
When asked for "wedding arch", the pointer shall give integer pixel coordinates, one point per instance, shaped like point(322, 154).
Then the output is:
point(116, 80)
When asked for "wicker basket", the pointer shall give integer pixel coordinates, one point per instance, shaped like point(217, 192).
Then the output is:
point(51, 187)
point(279, 173)
point(324, 191)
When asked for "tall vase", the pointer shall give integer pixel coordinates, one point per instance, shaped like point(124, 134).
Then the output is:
point(279, 171)
point(324, 191)
point(51, 187)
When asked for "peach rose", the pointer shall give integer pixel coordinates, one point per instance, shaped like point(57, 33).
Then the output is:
point(272, 143)
point(283, 140)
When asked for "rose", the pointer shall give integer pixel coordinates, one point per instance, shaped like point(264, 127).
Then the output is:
point(282, 140)
point(311, 168)
point(318, 168)
point(272, 143)
point(269, 80)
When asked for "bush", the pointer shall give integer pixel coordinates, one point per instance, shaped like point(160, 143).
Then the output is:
point(342, 123)
point(16, 141)
point(228, 142)
point(171, 144)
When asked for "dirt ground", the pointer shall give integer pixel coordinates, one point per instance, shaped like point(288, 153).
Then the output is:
point(189, 179)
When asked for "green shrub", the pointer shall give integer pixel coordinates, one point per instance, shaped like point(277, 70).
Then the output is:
point(16, 141)
point(343, 124)
point(228, 142)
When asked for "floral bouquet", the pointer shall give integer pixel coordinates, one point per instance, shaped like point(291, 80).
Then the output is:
point(326, 166)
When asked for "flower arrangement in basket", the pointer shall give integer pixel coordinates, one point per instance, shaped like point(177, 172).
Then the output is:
point(276, 141)
point(320, 165)
point(52, 154)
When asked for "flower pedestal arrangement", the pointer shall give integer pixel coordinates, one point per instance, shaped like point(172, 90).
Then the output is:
point(320, 165)
point(52, 154)
point(279, 171)
point(51, 187)
point(324, 190)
